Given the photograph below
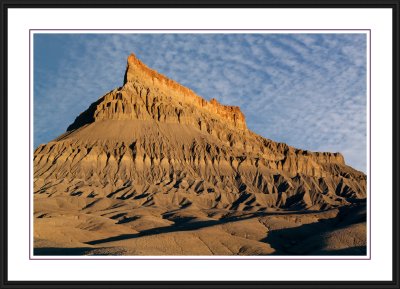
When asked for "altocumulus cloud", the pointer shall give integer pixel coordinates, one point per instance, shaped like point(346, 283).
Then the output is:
point(307, 90)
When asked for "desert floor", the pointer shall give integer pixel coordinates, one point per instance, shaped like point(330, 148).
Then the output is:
point(89, 226)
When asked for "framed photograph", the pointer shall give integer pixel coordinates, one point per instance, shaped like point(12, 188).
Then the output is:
point(192, 145)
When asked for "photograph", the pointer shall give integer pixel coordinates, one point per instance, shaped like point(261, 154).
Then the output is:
point(200, 143)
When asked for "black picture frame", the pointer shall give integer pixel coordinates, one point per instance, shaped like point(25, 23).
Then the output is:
point(5, 159)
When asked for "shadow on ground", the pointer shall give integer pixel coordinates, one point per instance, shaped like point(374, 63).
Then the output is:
point(52, 251)
point(309, 239)
point(181, 225)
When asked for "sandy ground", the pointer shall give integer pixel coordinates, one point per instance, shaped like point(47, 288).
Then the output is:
point(84, 226)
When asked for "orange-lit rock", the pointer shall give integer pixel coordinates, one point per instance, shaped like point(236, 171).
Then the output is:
point(138, 72)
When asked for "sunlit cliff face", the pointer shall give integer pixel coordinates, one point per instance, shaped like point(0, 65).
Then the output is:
point(138, 72)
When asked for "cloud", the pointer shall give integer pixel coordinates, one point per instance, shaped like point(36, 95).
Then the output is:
point(307, 90)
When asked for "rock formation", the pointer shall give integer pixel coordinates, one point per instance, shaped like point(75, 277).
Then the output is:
point(151, 168)
point(156, 142)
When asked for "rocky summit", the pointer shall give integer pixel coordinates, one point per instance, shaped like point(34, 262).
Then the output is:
point(154, 160)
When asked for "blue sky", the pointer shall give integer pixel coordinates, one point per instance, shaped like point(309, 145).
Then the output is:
point(307, 90)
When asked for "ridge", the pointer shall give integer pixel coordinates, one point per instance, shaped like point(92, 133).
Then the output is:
point(137, 71)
